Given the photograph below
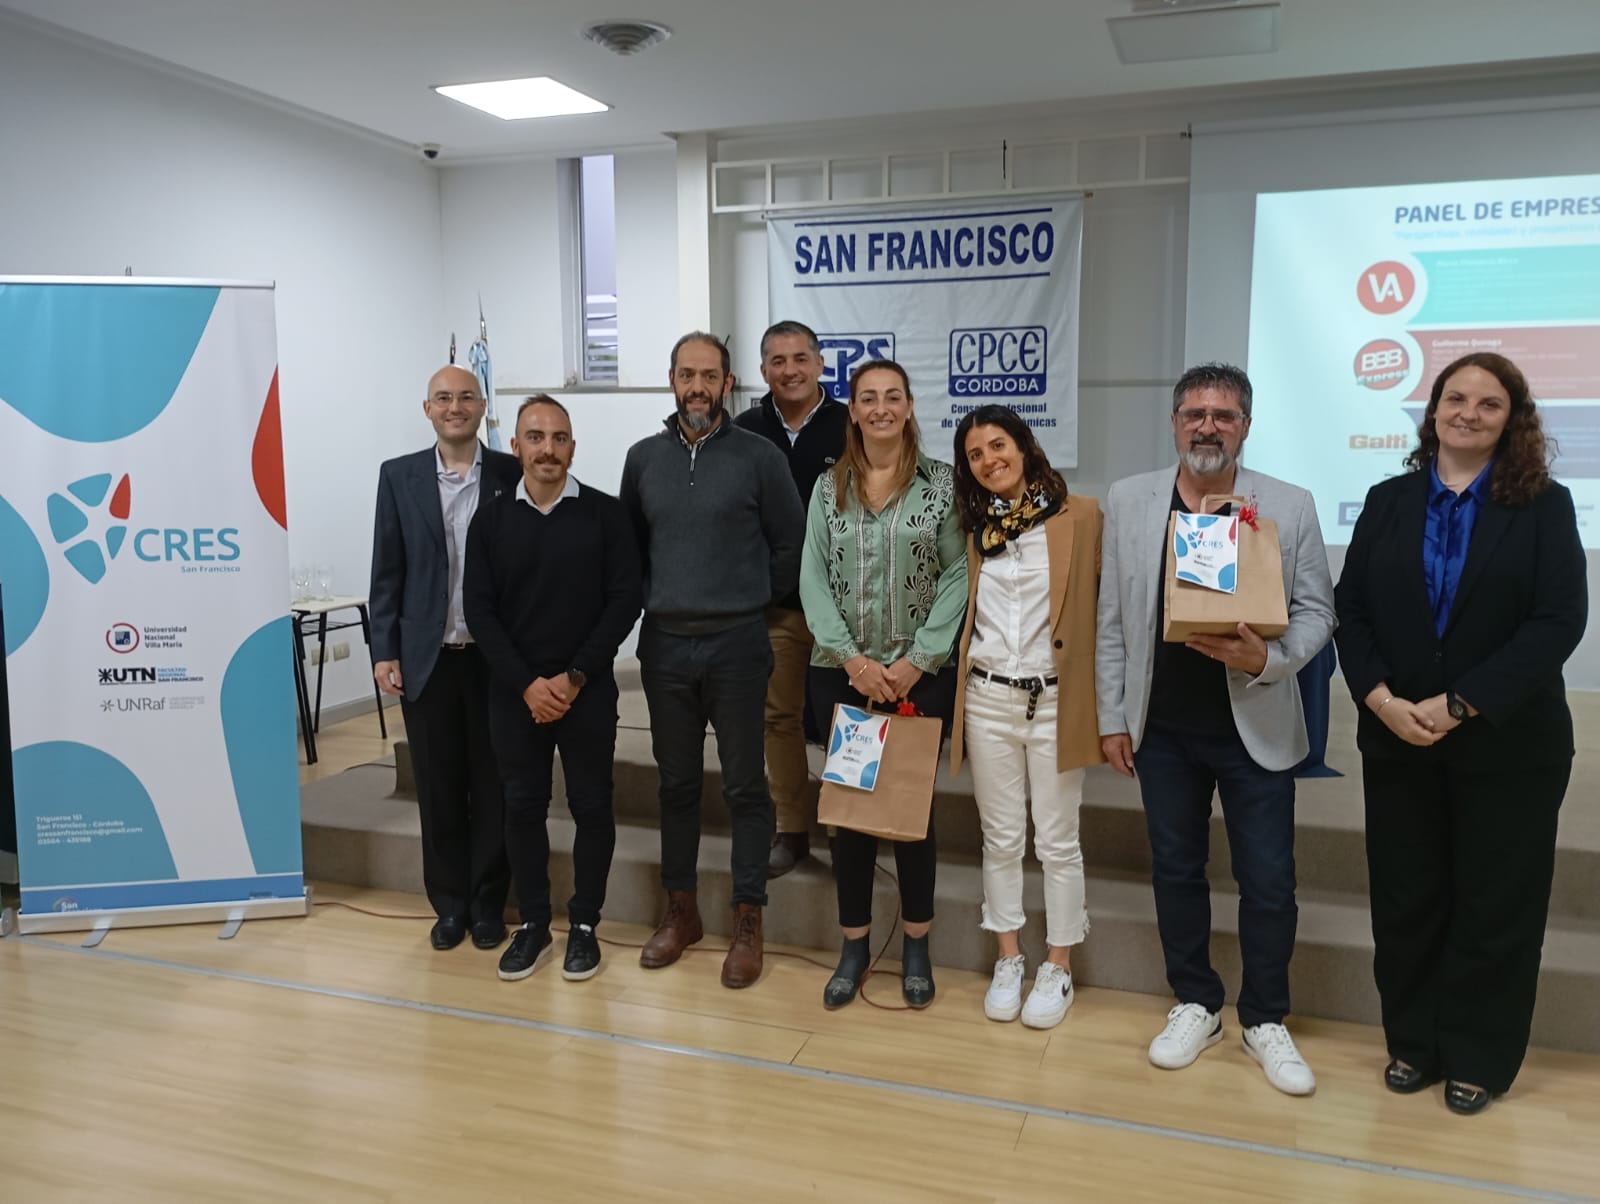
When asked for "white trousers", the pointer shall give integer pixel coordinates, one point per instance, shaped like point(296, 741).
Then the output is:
point(1013, 758)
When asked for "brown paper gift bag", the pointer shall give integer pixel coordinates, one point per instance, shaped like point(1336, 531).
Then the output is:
point(1258, 601)
point(897, 807)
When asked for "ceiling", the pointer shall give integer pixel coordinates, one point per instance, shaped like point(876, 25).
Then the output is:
point(728, 66)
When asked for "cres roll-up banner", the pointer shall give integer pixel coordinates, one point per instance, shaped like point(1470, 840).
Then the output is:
point(144, 569)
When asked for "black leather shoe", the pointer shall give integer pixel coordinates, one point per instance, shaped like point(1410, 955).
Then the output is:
point(916, 982)
point(487, 934)
point(1405, 1080)
point(448, 932)
point(1458, 1097)
point(843, 987)
point(583, 954)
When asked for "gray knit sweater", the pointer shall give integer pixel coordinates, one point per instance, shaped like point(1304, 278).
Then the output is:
point(720, 527)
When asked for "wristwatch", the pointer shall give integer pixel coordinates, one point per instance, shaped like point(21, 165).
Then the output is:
point(1453, 704)
point(579, 679)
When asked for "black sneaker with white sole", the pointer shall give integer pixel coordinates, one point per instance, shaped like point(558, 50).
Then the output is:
point(583, 954)
point(528, 947)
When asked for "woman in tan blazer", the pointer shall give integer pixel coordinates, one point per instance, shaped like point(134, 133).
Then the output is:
point(1025, 703)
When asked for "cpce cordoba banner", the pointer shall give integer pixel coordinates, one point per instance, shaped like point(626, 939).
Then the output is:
point(979, 303)
point(143, 564)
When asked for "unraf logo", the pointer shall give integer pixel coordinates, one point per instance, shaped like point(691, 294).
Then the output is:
point(842, 352)
point(998, 361)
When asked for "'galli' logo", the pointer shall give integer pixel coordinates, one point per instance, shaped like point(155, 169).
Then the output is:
point(68, 522)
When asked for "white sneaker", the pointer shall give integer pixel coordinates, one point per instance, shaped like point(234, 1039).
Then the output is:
point(1004, 998)
point(1190, 1029)
point(1273, 1047)
point(1050, 998)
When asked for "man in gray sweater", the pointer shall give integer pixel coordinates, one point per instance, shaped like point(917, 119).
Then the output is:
point(720, 529)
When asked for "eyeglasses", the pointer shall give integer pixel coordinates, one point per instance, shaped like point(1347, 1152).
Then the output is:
point(1225, 420)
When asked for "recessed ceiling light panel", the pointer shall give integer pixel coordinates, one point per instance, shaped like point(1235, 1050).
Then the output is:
point(1162, 31)
point(521, 99)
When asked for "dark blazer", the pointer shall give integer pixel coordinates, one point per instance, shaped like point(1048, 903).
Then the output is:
point(410, 569)
point(1518, 613)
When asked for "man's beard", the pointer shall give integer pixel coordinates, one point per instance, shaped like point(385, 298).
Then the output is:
point(699, 421)
point(1207, 459)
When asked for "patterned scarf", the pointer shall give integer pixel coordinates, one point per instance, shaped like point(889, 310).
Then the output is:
point(1008, 520)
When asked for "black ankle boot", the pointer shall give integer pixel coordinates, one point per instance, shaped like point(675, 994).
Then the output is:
point(916, 972)
point(854, 958)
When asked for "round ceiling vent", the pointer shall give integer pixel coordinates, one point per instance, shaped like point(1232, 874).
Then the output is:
point(627, 37)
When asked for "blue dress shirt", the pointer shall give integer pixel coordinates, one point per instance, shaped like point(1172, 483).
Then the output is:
point(1451, 517)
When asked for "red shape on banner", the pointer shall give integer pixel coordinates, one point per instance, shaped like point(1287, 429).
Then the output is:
point(266, 458)
point(122, 499)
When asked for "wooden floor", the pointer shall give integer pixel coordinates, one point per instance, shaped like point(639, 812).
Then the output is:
point(339, 1058)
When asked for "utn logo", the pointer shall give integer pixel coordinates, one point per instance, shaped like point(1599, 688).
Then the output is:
point(1386, 287)
point(128, 675)
point(842, 352)
point(998, 361)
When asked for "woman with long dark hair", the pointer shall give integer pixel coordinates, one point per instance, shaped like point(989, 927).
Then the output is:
point(1463, 595)
point(1025, 703)
point(880, 579)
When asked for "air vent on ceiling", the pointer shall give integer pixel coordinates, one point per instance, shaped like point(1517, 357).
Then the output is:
point(627, 37)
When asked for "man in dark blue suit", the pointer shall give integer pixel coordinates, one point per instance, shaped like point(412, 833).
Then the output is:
point(424, 653)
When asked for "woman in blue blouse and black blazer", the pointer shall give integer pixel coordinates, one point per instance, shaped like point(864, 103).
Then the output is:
point(1462, 596)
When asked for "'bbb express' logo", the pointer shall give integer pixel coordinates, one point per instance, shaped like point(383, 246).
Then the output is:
point(1004, 361)
point(842, 352)
point(90, 552)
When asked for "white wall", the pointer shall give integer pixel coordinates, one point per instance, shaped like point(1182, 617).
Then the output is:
point(110, 164)
point(647, 266)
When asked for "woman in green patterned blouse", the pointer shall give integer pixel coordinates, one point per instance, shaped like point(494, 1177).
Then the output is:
point(883, 583)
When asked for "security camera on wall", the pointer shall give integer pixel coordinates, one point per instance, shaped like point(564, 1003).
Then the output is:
point(430, 150)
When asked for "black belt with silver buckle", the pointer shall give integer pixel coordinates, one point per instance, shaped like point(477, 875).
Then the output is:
point(462, 647)
point(1035, 686)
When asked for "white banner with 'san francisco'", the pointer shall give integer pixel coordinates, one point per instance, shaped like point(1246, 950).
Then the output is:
point(978, 302)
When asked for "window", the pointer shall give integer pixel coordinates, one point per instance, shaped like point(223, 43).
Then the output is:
point(597, 220)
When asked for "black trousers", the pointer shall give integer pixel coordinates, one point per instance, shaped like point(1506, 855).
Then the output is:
point(855, 854)
point(458, 790)
point(1460, 864)
point(689, 681)
point(586, 738)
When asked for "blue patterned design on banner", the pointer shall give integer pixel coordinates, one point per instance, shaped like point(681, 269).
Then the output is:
point(143, 337)
point(67, 791)
point(258, 717)
point(66, 520)
point(87, 559)
point(116, 896)
point(91, 491)
point(26, 577)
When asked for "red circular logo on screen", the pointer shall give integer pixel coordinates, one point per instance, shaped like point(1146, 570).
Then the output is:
point(1386, 287)
point(1382, 364)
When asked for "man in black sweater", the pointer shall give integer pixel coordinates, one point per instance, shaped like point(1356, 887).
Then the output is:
point(552, 588)
point(721, 529)
point(798, 418)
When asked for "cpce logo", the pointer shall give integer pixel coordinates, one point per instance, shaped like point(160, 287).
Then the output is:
point(69, 523)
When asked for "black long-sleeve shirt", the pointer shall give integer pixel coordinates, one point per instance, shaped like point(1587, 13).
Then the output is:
point(545, 593)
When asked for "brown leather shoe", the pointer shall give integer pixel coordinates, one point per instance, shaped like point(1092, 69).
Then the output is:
point(679, 929)
point(742, 966)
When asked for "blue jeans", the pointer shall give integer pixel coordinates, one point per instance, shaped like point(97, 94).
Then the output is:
point(721, 678)
point(1177, 774)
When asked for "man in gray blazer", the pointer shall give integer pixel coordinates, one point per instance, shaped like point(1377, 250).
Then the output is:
point(423, 653)
point(1218, 713)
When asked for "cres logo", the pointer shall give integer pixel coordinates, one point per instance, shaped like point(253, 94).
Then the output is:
point(69, 522)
